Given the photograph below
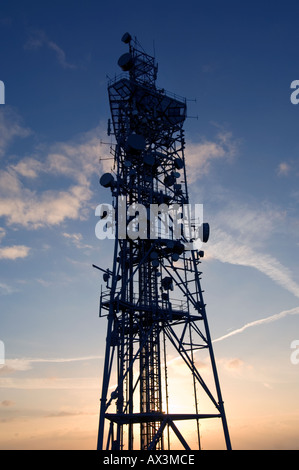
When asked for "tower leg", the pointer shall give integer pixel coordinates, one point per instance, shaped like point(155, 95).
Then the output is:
point(105, 384)
point(213, 362)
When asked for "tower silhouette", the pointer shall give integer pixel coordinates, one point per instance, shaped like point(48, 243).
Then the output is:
point(153, 299)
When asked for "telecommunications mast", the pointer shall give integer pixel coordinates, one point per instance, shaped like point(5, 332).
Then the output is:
point(153, 299)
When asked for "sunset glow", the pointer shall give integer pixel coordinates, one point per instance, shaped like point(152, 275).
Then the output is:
point(235, 63)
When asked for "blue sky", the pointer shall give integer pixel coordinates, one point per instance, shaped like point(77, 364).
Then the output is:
point(237, 60)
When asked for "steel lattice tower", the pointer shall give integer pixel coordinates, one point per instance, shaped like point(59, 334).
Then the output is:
point(144, 320)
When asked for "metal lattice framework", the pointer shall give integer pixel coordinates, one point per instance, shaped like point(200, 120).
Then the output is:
point(145, 318)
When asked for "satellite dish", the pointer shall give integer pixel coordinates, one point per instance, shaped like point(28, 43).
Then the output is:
point(149, 159)
point(178, 163)
point(126, 62)
point(126, 38)
point(167, 283)
point(136, 143)
point(106, 180)
point(205, 232)
point(169, 180)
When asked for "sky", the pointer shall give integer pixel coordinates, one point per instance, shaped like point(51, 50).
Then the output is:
point(234, 62)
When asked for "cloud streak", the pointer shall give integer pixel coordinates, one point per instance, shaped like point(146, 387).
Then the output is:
point(5, 289)
point(239, 235)
point(262, 321)
point(76, 239)
point(67, 383)
point(227, 249)
point(39, 39)
point(25, 364)
point(50, 383)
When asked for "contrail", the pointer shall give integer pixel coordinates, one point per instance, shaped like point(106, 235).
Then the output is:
point(226, 250)
point(272, 318)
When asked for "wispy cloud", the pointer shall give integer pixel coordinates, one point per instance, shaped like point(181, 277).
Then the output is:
point(239, 236)
point(67, 414)
point(2, 233)
point(288, 168)
point(5, 289)
point(200, 155)
point(76, 239)
point(7, 403)
point(11, 127)
point(39, 39)
point(76, 161)
point(28, 167)
point(53, 383)
point(67, 383)
point(227, 249)
point(25, 364)
point(240, 233)
point(14, 252)
point(29, 209)
point(261, 321)
point(283, 169)
point(11, 253)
